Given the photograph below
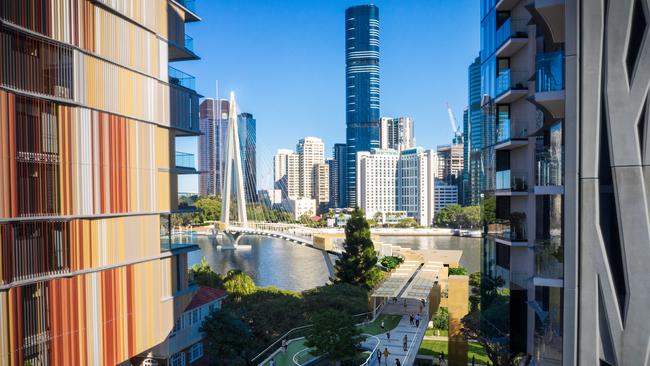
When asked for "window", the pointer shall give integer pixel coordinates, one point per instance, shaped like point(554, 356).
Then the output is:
point(196, 352)
point(178, 359)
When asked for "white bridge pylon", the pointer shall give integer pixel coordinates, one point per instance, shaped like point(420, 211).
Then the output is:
point(234, 170)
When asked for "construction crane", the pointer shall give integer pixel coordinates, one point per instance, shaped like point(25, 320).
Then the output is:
point(452, 120)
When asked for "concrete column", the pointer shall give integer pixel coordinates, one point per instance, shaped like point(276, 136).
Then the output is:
point(458, 307)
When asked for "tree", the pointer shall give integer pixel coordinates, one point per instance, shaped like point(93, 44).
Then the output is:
point(205, 276)
point(226, 338)
point(441, 319)
point(407, 222)
point(488, 323)
point(239, 284)
point(334, 336)
point(471, 216)
point(442, 218)
point(356, 264)
point(489, 210)
point(210, 207)
point(475, 291)
point(458, 271)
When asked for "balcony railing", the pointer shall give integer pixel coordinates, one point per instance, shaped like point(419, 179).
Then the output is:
point(515, 181)
point(549, 170)
point(549, 258)
point(512, 230)
point(511, 130)
point(549, 68)
point(185, 160)
point(511, 28)
point(188, 43)
point(520, 279)
point(177, 77)
point(509, 80)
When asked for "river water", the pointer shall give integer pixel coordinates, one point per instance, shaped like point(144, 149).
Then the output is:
point(275, 262)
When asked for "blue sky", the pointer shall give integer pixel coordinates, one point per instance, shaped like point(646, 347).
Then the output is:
point(285, 61)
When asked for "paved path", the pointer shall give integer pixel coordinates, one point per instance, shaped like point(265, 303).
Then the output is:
point(396, 344)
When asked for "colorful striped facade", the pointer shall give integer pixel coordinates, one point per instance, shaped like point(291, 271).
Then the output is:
point(88, 119)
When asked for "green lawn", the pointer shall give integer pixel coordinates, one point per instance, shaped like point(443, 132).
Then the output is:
point(433, 348)
point(374, 328)
point(441, 332)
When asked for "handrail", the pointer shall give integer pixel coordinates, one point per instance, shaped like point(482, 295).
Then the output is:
point(418, 335)
point(372, 353)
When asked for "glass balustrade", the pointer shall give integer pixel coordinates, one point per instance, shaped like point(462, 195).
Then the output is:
point(549, 69)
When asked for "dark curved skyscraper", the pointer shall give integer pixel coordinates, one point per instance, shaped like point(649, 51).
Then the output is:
point(362, 88)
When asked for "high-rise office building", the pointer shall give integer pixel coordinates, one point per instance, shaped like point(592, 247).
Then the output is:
point(247, 143)
point(474, 133)
point(89, 113)
point(450, 162)
point(445, 195)
point(213, 117)
point(362, 88)
point(464, 191)
point(334, 182)
point(311, 151)
point(396, 133)
point(340, 157)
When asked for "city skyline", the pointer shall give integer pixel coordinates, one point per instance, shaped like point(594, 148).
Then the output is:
point(407, 90)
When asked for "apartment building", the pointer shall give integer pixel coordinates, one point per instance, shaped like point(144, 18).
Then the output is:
point(89, 112)
point(444, 195)
point(286, 173)
point(322, 186)
point(391, 181)
point(396, 133)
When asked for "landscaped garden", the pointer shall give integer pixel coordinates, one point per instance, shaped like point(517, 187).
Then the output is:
point(434, 348)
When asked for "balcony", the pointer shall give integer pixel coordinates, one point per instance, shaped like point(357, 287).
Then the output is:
point(549, 174)
point(511, 183)
point(511, 36)
point(549, 83)
point(189, 7)
point(185, 163)
point(511, 134)
point(182, 49)
point(549, 258)
point(511, 86)
point(177, 77)
point(184, 103)
point(510, 232)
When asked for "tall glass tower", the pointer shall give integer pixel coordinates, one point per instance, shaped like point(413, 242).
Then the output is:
point(362, 88)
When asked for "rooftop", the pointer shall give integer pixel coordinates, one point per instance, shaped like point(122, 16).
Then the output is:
point(204, 296)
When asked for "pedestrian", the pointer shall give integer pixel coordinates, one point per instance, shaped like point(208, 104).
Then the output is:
point(379, 356)
point(386, 354)
point(272, 363)
point(405, 342)
point(388, 335)
point(383, 326)
point(411, 319)
point(417, 320)
point(404, 304)
point(441, 358)
point(285, 345)
point(397, 363)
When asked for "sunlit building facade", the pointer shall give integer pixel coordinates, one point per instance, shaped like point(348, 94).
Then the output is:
point(362, 88)
point(89, 113)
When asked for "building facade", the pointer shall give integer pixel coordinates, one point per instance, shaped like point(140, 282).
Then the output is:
point(248, 145)
point(213, 117)
point(474, 133)
point(377, 183)
point(444, 195)
point(89, 113)
point(522, 154)
point(362, 88)
point(415, 184)
point(322, 186)
point(396, 133)
point(392, 181)
point(340, 158)
point(450, 162)
point(311, 152)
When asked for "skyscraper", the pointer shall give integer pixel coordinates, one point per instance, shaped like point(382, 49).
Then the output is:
point(89, 113)
point(247, 143)
point(474, 133)
point(341, 156)
point(396, 133)
point(213, 116)
point(334, 182)
point(362, 88)
point(322, 186)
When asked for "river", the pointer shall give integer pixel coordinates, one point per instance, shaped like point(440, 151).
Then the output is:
point(275, 262)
